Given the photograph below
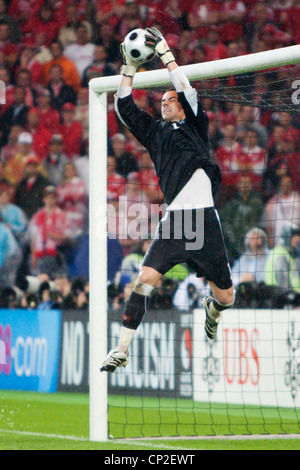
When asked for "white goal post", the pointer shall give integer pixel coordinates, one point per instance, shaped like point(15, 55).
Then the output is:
point(98, 89)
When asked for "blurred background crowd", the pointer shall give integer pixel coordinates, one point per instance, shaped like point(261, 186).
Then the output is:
point(49, 51)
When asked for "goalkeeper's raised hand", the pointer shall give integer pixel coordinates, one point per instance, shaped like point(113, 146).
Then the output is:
point(155, 39)
point(129, 67)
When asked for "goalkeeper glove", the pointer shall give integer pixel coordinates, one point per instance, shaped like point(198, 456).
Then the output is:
point(155, 39)
point(129, 67)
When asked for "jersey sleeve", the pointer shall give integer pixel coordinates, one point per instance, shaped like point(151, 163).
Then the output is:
point(138, 121)
point(198, 121)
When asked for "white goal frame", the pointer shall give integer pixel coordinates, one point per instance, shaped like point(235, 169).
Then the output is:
point(98, 89)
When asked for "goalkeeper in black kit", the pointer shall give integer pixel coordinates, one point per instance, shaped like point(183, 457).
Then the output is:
point(179, 148)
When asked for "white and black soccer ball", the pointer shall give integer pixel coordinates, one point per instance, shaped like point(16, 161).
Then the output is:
point(135, 48)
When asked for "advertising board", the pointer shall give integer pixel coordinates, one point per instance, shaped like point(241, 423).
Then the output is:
point(29, 349)
point(255, 359)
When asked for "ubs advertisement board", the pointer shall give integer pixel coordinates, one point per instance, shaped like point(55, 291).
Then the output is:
point(255, 359)
point(29, 349)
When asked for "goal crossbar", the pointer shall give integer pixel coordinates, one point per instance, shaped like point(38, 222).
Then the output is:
point(98, 89)
point(214, 69)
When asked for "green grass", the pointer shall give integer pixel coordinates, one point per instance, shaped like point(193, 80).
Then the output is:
point(33, 421)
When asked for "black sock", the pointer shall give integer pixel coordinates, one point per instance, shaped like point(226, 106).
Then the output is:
point(135, 310)
point(220, 307)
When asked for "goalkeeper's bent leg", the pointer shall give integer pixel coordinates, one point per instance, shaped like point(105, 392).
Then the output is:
point(222, 299)
point(134, 312)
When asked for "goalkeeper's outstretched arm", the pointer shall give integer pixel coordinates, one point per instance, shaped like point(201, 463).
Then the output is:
point(181, 83)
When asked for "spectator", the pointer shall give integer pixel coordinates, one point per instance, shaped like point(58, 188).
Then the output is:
point(5, 77)
point(130, 20)
point(82, 51)
point(42, 54)
point(60, 92)
point(172, 17)
point(131, 264)
point(281, 10)
point(126, 162)
point(8, 48)
point(289, 158)
point(248, 119)
point(50, 117)
point(14, 30)
point(10, 256)
point(213, 47)
point(11, 215)
point(135, 214)
point(242, 212)
point(22, 12)
point(107, 38)
point(251, 266)
point(99, 67)
point(16, 114)
point(290, 21)
point(9, 150)
point(71, 131)
point(148, 179)
point(285, 120)
point(81, 260)
point(4, 183)
point(115, 257)
point(82, 111)
point(15, 166)
point(45, 297)
point(214, 133)
point(283, 207)
point(228, 156)
point(78, 296)
point(28, 62)
point(23, 79)
point(231, 17)
point(190, 292)
point(202, 15)
point(41, 135)
point(254, 158)
point(29, 192)
point(115, 182)
point(70, 73)
point(48, 229)
point(43, 22)
point(67, 34)
point(82, 166)
point(281, 266)
point(109, 12)
point(71, 198)
point(185, 46)
point(260, 16)
point(9, 298)
point(55, 161)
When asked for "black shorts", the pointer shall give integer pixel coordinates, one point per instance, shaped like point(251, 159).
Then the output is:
point(205, 253)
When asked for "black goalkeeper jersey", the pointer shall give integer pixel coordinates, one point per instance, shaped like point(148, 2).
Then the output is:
point(177, 149)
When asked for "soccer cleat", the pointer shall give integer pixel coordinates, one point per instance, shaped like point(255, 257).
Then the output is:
point(114, 359)
point(211, 323)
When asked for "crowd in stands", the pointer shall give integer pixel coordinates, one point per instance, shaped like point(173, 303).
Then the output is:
point(49, 51)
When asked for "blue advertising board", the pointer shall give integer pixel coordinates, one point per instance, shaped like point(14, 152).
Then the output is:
point(30, 343)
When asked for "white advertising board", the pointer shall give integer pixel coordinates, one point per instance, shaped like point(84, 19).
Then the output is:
point(255, 359)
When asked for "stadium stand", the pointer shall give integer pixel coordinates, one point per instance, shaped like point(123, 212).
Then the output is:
point(49, 50)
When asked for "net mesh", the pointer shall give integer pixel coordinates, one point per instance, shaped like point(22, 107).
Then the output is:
point(269, 89)
point(177, 383)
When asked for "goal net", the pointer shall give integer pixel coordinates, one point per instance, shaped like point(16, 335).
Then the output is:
point(177, 382)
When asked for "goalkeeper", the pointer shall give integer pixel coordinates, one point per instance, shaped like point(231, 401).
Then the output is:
point(179, 148)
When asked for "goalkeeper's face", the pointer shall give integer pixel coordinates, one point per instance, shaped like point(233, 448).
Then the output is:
point(171, 109)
